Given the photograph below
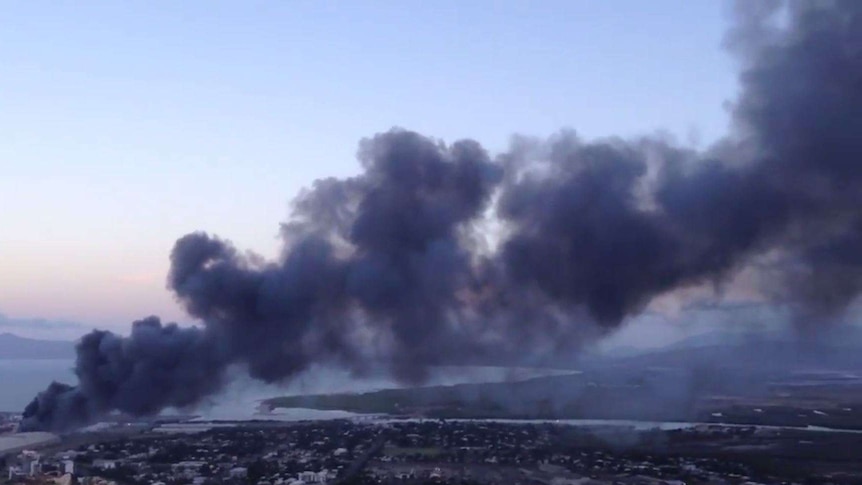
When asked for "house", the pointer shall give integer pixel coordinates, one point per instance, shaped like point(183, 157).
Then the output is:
point(307, 477)
point(103, 464)
point(15, 472)
point(322, 476)
point(187, 469)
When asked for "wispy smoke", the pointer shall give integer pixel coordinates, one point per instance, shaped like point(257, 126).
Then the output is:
point(394, 266)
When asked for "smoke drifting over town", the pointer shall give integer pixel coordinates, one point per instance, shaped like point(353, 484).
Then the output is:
point(397, 265)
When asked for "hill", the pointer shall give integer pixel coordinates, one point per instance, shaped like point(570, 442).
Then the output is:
point(15, 347)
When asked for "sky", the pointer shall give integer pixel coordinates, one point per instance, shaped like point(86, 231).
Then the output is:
point(125, 125)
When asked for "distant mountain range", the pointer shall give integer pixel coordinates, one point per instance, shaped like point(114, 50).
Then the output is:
point(15, 347)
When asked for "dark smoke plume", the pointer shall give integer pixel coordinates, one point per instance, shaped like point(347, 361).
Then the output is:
point(394, 266)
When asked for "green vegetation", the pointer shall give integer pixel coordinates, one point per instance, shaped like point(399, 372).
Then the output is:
point(462, 401)
point(638, 393)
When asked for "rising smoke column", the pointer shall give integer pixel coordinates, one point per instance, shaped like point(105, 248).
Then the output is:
point(391, 266)
point(372, 270)
point(787, 180)
point(379, 256)
point(154, 367)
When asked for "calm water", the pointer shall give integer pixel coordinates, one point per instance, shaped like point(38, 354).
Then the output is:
point(21, 379)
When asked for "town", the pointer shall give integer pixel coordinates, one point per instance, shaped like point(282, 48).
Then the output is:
point(381, 451)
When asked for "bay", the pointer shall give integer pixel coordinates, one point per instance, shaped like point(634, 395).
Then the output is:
point(22, 379)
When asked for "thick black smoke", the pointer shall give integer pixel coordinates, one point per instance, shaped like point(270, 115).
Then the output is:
point(154, 367)
point(394, 265)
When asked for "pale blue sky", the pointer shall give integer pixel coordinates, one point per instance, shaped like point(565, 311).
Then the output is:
point(124, 125)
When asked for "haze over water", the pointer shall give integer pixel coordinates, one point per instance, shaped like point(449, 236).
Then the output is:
point(22, 378)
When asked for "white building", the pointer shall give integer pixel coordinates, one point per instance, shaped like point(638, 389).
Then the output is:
point(188, 469)
point(315, 477)
point(30, 463)
point(307, 477)
point(104, 464)
point(15, 471)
